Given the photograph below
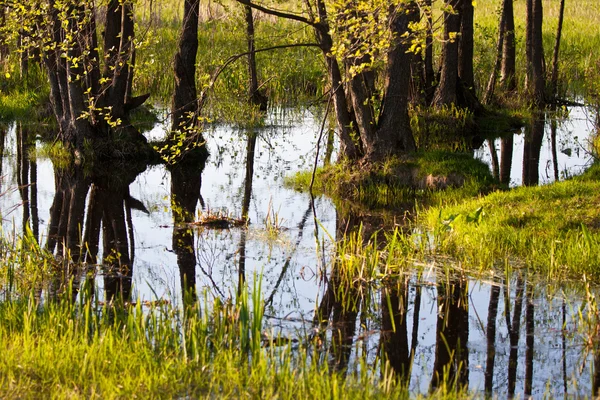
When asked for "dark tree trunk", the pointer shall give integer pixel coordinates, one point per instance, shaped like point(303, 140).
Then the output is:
point(394, 134)
point(465, 49)
point(185, 99)
point(429, 72)
point(554, 78)
point(535, 53)
point(446, 92)
point(508, 68)
point(256, 97)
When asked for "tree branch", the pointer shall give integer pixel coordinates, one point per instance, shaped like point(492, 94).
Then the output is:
point(232, 59)
point(276, 13)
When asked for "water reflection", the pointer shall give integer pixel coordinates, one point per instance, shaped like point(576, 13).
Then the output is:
point(506, 338)
point(544, 150)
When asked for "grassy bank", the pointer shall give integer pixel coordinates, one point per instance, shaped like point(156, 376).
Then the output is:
point(552, 229)
point(397, 182)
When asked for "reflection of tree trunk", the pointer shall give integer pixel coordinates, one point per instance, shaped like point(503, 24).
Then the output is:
point(394, 335)
point(530, 325)
point(451, 363)
point(66, 222)
point(494, 155)
point(491, 339)
point(514, 330)
point(186, 182)
point(531, 152)
point(250, 149)
point(553, 128)
point(117, 262)
point(506, 155)
point(23, 173)
point(35, 219)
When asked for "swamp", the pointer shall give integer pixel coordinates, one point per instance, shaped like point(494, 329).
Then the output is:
point(299, 199)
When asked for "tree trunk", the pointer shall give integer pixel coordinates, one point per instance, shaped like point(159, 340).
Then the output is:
point(508, 68)
point(535, 52)
point(554, 78)
point(446, 92)
point(185, 99)
point(256, 97)
point(394, 134)
point(429, 73)
point(465, 49)
point(491, 86)
point(348, 147)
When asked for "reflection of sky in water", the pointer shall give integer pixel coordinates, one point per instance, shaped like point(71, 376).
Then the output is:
point(572, 143)
point(285, 147)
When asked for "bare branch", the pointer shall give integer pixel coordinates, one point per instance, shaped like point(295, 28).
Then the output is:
point(276, 13)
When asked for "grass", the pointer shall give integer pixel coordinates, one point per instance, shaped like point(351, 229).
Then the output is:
point(553, 229)
point(59, 349)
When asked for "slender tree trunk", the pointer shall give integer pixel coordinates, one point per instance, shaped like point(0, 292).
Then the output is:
point(508, 68)
point(491, 86)
point(465, 49)
point(256, 97)
point(554, 78)
point(429, 73)
point(535, 52)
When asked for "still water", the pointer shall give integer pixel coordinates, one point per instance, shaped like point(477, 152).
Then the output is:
point(500, 335)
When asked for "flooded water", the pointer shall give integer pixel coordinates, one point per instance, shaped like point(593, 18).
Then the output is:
point(507, 337)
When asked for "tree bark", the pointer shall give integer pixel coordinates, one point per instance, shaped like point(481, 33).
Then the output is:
point(185, 102)
point(465, 48)
point(394, 134)
point(535, 53)
point(508, 68)
point(445, 93)
point(554, 78)
point(256, 97)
